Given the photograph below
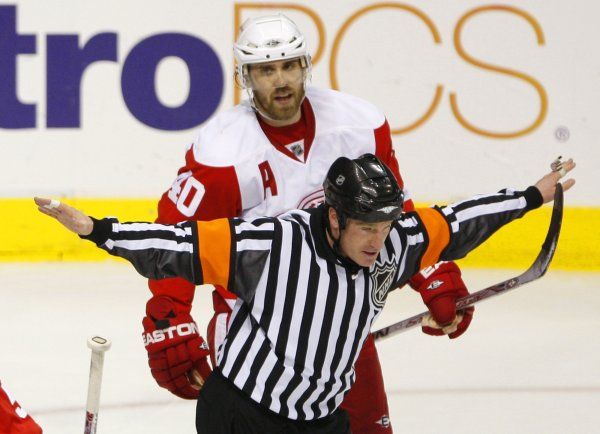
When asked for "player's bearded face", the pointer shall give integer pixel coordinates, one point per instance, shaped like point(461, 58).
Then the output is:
point(278, 87)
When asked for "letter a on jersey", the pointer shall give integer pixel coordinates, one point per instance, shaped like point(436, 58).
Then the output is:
point(267, 178)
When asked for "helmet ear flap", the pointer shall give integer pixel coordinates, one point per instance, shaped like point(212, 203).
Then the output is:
point(306, 63)
point(241, 76)
point(239, 81)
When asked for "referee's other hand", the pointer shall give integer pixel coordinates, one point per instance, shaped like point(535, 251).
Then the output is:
point(71, 218)
point(547, 185)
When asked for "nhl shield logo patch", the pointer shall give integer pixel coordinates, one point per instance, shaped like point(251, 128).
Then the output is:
point(382, 278)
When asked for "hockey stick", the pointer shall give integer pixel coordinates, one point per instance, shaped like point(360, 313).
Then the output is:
point(535, 271)
point(98, 346)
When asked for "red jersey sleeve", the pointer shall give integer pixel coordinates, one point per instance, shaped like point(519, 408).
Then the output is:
point(199, 192)
point(13, 419)
point(385, 151)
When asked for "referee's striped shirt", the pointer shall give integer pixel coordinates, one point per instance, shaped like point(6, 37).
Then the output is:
point(302, 315)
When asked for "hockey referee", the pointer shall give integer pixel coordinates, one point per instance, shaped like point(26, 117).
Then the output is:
point(310, 285)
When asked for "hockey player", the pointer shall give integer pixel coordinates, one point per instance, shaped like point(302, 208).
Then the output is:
point(284, 366)
point(13, 419)
point(265, 157)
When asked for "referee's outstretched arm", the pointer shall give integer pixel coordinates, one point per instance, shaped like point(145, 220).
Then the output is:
point(205, 252)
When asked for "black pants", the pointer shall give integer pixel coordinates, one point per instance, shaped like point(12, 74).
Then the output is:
point(223, 409)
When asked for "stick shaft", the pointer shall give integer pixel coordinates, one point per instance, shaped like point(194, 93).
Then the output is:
point(535, 271)
point(94, 386)
point(91, 421)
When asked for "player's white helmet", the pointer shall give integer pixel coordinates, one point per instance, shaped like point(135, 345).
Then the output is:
point(267, 39)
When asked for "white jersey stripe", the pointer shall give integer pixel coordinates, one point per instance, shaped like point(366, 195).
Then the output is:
point(235, 345)
point(150, 243)
point(137, 227)
point(261, 379)
point(491, 208)
point(247, 244)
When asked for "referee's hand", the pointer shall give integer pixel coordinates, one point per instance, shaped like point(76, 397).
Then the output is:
point(71, 218)
point(547, 184)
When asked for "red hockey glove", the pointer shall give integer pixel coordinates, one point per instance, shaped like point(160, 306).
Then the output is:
point(13, 419)
point(440, 286)
point(177, 355)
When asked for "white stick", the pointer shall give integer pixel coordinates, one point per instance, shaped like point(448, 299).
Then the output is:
point(98, 346)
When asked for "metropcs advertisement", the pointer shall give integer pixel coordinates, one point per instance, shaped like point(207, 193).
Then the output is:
point(99, 100)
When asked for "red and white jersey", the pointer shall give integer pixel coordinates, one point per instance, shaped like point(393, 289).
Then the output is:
point(235, 167)
point(13, 419)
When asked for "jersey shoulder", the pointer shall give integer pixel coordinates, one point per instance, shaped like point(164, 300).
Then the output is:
point(229, 138)
point(336, 109)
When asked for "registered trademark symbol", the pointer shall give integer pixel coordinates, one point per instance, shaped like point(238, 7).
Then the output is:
point(562, 134)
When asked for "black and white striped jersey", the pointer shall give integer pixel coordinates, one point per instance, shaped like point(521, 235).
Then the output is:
point(302, 315)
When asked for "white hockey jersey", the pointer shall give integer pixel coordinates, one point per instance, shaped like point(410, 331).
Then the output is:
point(233, 157)
point(233, 170)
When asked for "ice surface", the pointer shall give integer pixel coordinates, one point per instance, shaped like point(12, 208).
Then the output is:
point(530, 362)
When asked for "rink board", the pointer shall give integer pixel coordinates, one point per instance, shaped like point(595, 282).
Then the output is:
point(29, 236)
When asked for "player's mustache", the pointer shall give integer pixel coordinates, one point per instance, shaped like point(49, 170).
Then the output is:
point(282, 91)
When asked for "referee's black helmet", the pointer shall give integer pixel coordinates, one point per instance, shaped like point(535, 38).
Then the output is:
point(363, 189)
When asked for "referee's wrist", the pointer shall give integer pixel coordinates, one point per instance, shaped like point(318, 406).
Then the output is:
point(101, 231)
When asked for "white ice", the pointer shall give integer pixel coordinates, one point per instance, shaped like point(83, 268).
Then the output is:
point(530, 362)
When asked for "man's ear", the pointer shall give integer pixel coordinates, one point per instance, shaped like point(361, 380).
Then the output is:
point(333, 220)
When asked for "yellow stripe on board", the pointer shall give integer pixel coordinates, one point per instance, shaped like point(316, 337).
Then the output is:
point(27, 235)
point(517, 244)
